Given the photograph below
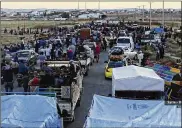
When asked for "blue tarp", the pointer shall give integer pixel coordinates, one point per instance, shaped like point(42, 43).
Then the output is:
point(107, 112)
point(158, 30)
point(28, 111)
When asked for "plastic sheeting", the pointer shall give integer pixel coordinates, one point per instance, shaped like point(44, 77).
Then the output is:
point(28, 111)
point(136, 78)
point(158, 30)
point(111, 112)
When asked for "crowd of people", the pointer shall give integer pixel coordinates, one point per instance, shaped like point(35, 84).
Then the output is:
point(64, 43)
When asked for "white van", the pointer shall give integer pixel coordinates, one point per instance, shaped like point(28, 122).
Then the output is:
point(125, 43)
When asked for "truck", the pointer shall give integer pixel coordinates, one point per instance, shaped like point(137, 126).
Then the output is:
point(85, 33)
point(69, 93)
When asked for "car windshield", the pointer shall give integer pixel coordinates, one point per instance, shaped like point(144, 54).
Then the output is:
point(115, 64)
point(23, 54)
point(123, 41)
point(116, 48)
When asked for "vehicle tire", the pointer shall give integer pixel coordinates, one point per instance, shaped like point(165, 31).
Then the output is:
point(106, 78)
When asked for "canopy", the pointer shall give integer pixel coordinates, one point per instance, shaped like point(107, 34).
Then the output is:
point(136, 78)
point(28, 111)
point(110, 112)
point(158, 30)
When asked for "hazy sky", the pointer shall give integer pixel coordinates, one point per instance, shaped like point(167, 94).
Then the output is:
point(89, 5)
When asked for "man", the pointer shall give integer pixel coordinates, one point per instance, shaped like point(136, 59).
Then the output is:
point(22, 69)
point(73, 73)
point(8, 77)
point(105, 43)
point(42, 57)
point(73, 41)
point(73, 48)
point(48, 52)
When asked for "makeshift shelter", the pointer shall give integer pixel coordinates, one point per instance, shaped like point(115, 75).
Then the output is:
point(134, 78)
point(110, 112)
point(28, 111)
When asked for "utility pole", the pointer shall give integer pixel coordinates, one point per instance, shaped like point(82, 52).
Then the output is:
point(78, 5)
point(135, 14)
point(138, 12)
point(143, 13)
point(99, 5)
point(150, 15)
point(163, 14)
point(85, 5)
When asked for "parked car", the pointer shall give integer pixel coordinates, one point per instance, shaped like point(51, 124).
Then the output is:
point(26, 55)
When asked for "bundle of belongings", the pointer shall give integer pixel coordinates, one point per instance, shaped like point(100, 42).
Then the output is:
point(117, 55)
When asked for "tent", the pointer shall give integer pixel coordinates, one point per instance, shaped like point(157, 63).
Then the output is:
point(107, 112)
point(134, 78)
point(28, 111)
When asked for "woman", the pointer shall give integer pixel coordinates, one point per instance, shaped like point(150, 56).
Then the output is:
point(97, 52)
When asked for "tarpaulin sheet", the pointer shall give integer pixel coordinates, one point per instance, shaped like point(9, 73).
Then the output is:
point(29, 111)
point(135, 78)
point(112, 112)
point(158, 30)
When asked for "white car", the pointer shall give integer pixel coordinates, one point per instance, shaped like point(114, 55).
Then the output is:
point(26, 55)
point(125, 42)
point(128, 52)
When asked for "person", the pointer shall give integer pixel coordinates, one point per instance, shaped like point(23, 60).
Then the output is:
point(70, 54)
point(22, 69)
point(157, 53)
point(46, 68)
point(105, 43)
point(16, 58)
point(34, 82)
point(73, 48)
point(8, 77)
point(42, 57)
point(97, 52)
point(161, 51)
point(140, 57)
point(48, 52)
point(72, 69)
point(25, 82)
point(81, 48)
point(15, 66)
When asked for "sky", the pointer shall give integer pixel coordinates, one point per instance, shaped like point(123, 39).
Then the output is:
point(89, 5)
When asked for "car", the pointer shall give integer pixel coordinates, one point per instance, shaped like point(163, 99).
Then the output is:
point(113, 64)
point(153, 38)
point(134, 25)
point(125, 42)
point(131, 54)
point(26, 55)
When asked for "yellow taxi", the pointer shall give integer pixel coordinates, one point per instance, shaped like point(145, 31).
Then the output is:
point(110, 65)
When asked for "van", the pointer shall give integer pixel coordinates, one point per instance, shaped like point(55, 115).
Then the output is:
point(125, 43)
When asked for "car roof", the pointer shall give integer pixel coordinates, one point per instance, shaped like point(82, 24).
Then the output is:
point(26, 51)
point(124, 37)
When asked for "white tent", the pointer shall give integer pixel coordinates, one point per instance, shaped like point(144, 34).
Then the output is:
point(107, 112)
point(132, 78)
